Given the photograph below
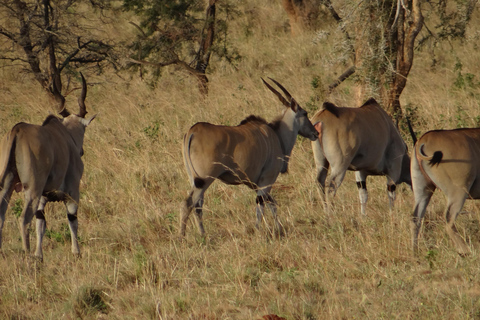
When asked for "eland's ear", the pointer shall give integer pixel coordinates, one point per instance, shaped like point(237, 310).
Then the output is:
point(86, 122)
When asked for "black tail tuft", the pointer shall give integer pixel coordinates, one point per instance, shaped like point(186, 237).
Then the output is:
point(199, 183)
point(436, 158)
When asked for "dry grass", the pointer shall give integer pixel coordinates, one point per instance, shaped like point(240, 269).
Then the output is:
point(339, 266)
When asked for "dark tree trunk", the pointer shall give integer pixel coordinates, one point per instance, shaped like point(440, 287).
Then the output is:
point(203, 55)
point(407, 26)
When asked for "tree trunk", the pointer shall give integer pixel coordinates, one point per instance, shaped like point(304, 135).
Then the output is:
point(408, 25)
point(203, 55)
point(25, 42)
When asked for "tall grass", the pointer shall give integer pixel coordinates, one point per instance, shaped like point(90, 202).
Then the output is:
point(340, 265)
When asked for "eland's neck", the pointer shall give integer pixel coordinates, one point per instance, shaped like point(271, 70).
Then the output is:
point(287, 133)
point(77, 132)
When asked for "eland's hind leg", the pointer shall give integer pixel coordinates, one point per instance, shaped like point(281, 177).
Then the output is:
point(334, 181)
point(454, 206)
point(194, 200)
point(391, 187)
point(30, 207)
point(422, 190)
point(6, 190)
point(422, 198)
point(321, 165)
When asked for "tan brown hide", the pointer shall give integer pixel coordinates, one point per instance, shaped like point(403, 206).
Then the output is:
point(253, 153)
point(448, 160)
point(235, 155)
point(362, 139)
point(44, 161)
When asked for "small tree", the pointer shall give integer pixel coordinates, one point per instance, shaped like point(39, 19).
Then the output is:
point(385, 40)
point(49, 37)
point(176, 33)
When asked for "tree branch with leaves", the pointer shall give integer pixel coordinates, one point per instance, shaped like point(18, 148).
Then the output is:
point(49, 37)
point(180, 33)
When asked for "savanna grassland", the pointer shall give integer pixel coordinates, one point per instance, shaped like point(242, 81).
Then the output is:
point(337, 266)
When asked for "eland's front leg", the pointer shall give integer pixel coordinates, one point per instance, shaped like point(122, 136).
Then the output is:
point(6, 191)
point(31, 205)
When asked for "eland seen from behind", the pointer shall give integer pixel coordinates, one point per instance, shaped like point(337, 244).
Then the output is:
point(363, 140)
point(45, 162)
point(450, 161)
point(253, 153)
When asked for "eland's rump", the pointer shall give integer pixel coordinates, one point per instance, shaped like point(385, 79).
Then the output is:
point(44, 161)
point(450, 161)
point(362, 139)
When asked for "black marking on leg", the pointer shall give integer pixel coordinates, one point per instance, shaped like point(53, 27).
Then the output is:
point(362, 185)
point(198, 183)
point(40, 214)
point(266, 198)
point(392, 188)
point(259, 200)
point(55, 196)
point(71, 217)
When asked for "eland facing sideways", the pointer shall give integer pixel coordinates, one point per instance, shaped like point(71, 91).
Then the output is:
point(450, 161)
point(45, 162)
point(363, 140)
point(253, 153)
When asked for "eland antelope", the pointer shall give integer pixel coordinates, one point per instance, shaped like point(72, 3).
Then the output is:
point(362, 139)
point(450, 161)
point(253, 153)
point(45, 162)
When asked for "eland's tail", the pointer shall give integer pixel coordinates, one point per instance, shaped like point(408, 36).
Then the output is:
point(434, 159)
point(7, 154)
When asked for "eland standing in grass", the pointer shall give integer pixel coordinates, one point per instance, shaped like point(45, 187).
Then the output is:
point(362, 139)
point(45, 162)
point(253, 153)
point(450, 161)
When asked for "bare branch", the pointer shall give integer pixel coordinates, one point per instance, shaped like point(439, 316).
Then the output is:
point(138, 28)
point(9, 35)
point(342, 78)
point(153, 64)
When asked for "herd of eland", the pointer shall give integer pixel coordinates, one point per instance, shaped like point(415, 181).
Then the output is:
point(45, 162)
